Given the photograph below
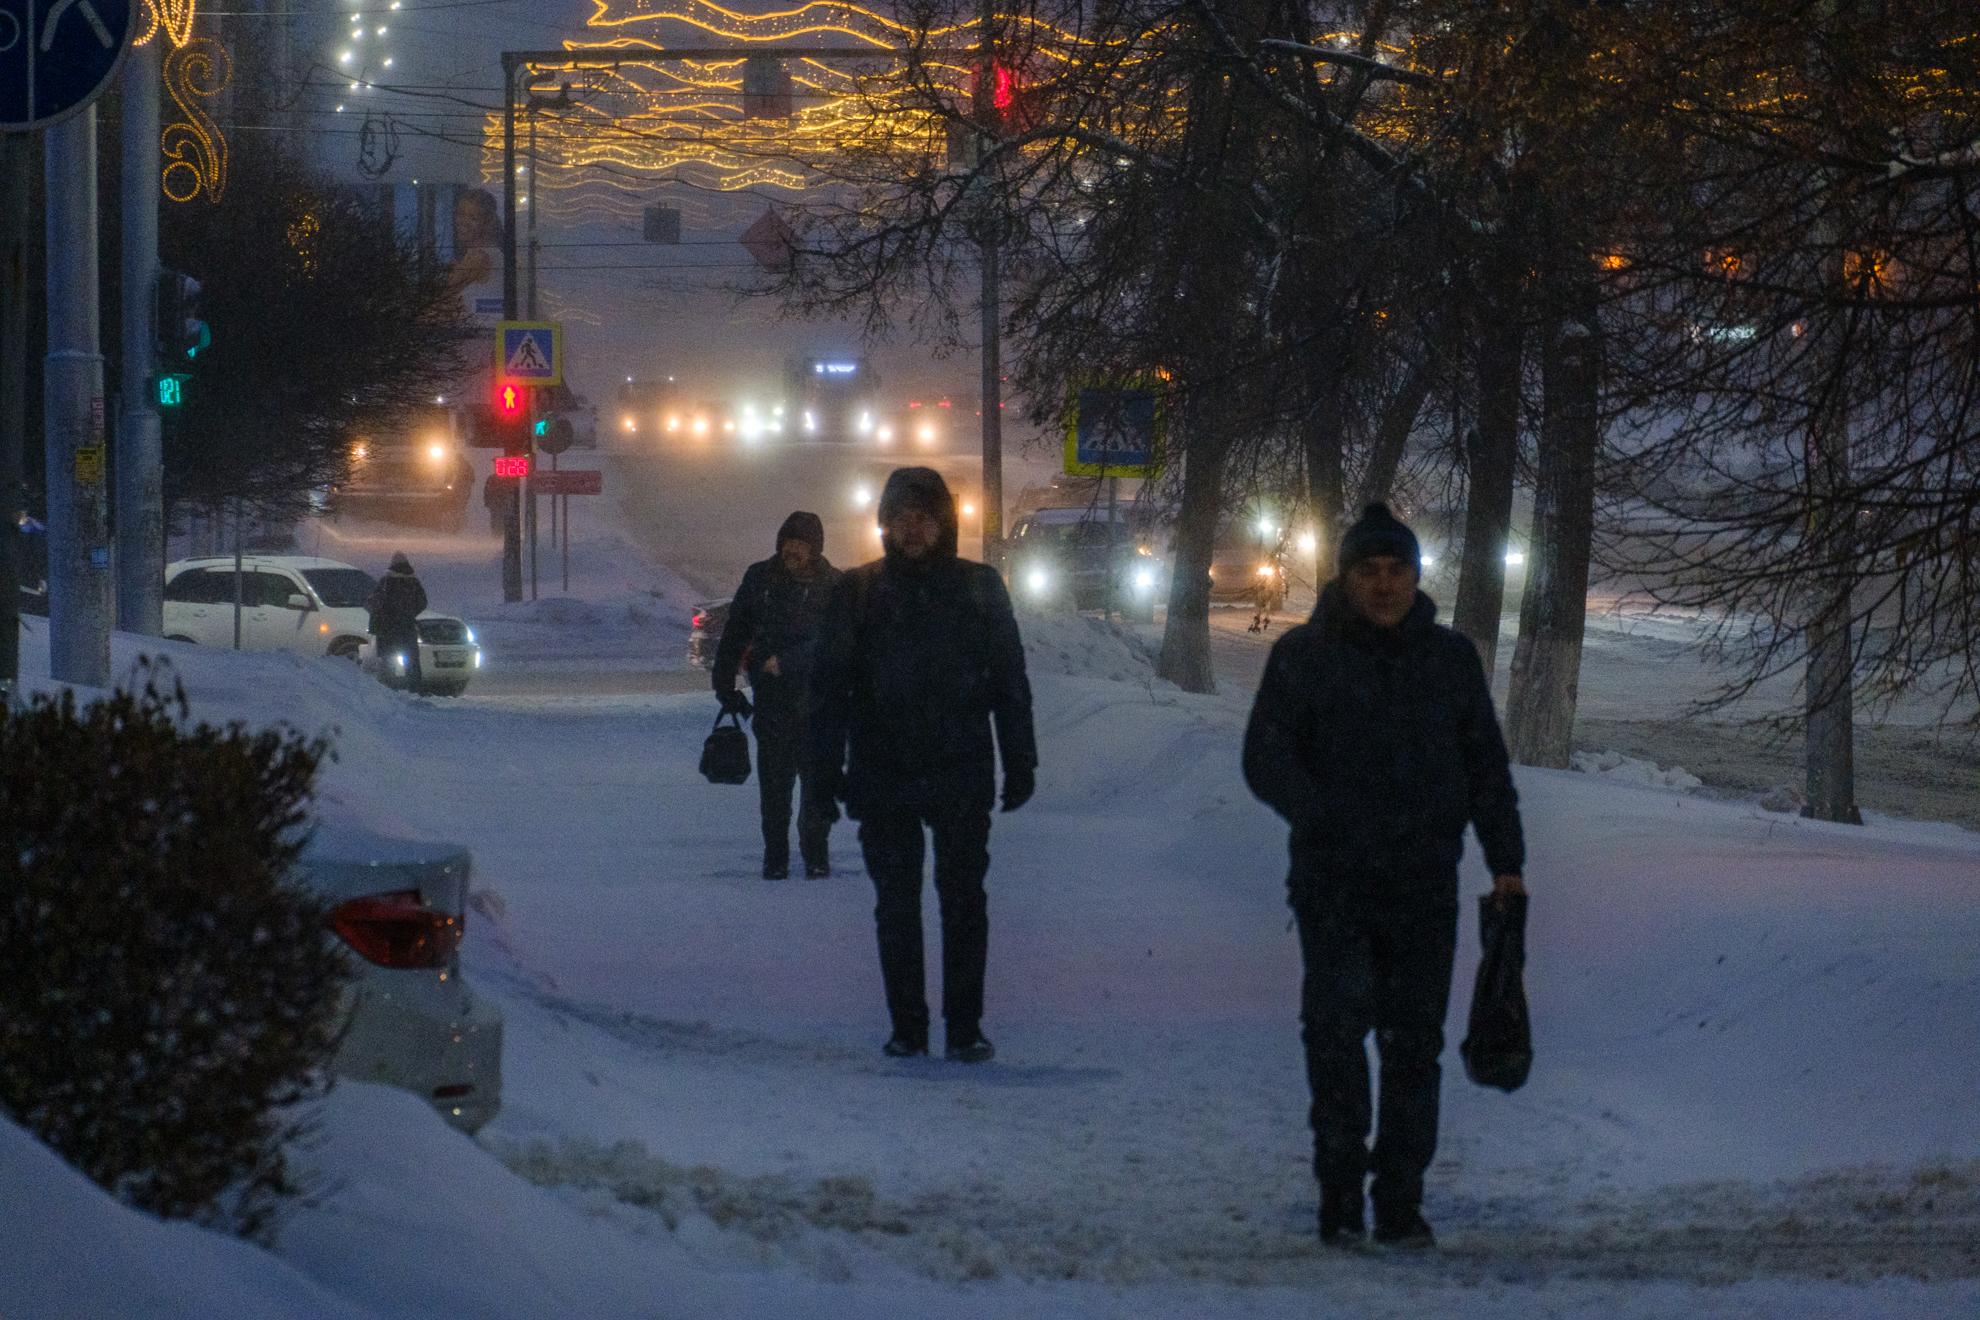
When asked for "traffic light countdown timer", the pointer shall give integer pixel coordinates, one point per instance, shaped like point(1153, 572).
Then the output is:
point(512, 423)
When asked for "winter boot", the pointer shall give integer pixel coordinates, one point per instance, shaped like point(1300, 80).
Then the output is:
point(1341, 1221)
point(818, 869)
point(903, 1046)
point(970, 1047)
point(1403, 1228)
point(776, 869)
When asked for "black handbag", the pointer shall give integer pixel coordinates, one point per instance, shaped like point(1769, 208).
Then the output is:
point(725, 752)
point(1498, 1047)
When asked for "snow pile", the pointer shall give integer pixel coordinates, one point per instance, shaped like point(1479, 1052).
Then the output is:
point(1083, 646)
point(1620, 769)
point(70, 1250)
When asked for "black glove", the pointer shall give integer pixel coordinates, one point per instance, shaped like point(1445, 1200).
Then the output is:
point(1020, 782)
point(735, 703)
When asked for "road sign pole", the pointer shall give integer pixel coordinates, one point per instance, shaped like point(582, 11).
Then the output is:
point(79, 577)
point(529, 494)
point(140, 449)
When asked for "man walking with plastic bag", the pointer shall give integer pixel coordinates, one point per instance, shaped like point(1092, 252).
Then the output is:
point(920, 659)
point(772, 634)
point(1374, 736)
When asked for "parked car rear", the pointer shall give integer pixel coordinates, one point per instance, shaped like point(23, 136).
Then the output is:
point(400, 907)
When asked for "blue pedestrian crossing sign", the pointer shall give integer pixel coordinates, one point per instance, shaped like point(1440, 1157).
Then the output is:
point(1115, 429)
point(529, 352)
point(57, 56)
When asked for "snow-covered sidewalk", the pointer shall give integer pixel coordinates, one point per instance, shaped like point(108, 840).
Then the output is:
point(1756, 1091)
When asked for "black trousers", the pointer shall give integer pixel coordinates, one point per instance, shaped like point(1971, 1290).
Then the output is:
point(891, 839)
point(779, 744)
point(1378, 956)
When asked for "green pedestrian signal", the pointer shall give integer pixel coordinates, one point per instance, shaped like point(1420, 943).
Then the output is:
point(172, 390)
point(543, 426)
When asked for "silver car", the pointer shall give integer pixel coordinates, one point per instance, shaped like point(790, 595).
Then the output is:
point(401, 908)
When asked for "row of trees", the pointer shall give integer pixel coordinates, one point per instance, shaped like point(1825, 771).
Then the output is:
point(1703, 278)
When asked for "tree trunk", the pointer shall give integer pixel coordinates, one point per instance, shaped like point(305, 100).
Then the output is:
point(1326, 478)
point(1392, 432)
point(1491, 452)
point(1546, 666)
point(1208, 332)
point(1829, 748)
point(1185, 658)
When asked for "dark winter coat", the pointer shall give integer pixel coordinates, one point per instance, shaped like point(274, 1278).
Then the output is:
point(1378, 746)
point(775, 613)
point(918, 660)
point(395, 603)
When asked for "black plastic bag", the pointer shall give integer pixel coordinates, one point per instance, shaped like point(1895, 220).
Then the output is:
point(725, 752)
point(1498, 1048)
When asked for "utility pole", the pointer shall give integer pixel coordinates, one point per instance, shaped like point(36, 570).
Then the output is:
point(512, 531)
point(79, 578)
point(16, 158)
point(990, 296)
point(140, 450)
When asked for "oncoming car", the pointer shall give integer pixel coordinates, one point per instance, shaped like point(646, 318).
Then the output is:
point(1061, 557)
point(449, 657)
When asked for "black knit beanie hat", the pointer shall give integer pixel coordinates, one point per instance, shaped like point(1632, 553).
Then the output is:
point(1380, 532)
point(401, 564)
point(805, 527)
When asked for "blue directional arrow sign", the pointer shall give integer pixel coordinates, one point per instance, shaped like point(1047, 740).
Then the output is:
point(56, 56)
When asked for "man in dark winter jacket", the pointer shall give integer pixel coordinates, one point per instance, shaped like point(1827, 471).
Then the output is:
point(396, 604)
point(1374, 736)
point(920, 658)
point(772, 633)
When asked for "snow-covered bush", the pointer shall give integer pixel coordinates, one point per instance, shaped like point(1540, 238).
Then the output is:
point(164, 989)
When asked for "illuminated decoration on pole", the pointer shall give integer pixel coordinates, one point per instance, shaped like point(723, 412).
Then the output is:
point(198, 71)
point(172, 17)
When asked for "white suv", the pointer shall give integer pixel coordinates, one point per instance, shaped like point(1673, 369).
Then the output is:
point(288, 603)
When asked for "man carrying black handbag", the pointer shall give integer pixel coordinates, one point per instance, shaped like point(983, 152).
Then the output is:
point(1374, 736)
point(772, 635)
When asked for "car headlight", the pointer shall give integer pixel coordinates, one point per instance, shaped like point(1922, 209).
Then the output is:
point(1264, 570)
point(470, 634)
point(477, 658)
point(399, 660)
point(1037, 581)
point(1144, 579)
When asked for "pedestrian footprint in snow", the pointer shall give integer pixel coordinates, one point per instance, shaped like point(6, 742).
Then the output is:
point(1374, 736)
point(772, 634)
point(920, 657)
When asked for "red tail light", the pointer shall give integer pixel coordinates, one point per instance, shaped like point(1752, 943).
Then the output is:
point(396, 930)
point(699, 621)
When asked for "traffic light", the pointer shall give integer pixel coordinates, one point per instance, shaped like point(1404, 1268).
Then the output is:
point(1002, 99)
point(172, 388)
point(182, 335)
point(509, 418)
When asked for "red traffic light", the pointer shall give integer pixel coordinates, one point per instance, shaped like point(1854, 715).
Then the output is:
point(512, 465)
point(510, 401)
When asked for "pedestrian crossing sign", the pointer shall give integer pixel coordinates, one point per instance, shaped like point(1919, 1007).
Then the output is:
point(530, 352)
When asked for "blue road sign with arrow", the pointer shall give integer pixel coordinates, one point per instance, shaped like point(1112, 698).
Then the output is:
point(56, 56)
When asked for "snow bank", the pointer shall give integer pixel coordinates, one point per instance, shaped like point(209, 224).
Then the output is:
point(1084, 646)
point(68, 1250)
point(1620, 769)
